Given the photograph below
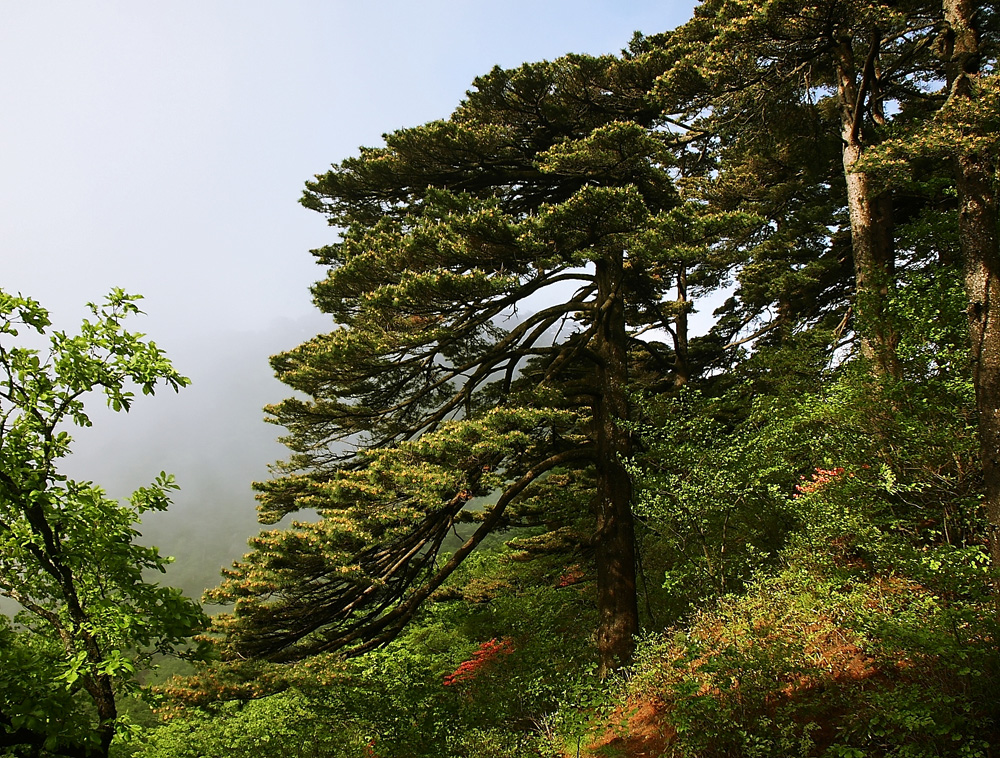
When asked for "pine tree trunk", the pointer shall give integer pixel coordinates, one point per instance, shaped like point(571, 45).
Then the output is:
point(682, 365)
point(872, 239)
point(977, 223)
point(614, 540)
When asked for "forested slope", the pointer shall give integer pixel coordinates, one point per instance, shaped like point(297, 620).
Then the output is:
point(553, 518)
point(794, 510)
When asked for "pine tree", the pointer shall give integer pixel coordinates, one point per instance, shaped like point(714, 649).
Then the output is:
point(966, 47)
point(765, 78)
point(491, 276)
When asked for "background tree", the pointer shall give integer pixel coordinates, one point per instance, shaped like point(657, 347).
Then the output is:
point(766, 82)
point(948, 139)
point(969, 44)
point(67, 551)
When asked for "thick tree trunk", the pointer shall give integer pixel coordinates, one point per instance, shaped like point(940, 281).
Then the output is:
point(872, 240)
point(614, 541)
point(977, 223)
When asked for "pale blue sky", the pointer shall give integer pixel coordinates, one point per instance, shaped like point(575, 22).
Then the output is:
point(162, 147)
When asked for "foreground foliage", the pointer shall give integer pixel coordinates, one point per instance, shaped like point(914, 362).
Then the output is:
point(480, 672)
point(68, 555)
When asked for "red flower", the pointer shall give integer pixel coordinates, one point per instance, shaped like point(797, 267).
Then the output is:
point(574, 575)
point(484, 656)
point(819, 480)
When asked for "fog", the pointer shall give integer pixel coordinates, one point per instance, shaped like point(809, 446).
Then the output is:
point(210, 436)
point(162, 147)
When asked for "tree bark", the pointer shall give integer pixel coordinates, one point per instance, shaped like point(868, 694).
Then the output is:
point(101, 690)
point(682, 365)
point(872, 240)
point(614, 540)
point(977, 224)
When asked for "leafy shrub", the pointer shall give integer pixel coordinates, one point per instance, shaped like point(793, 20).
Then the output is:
point(475, 675)
point(812, 662)
point(289, 722)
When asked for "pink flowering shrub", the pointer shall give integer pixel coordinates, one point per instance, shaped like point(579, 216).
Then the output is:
point(819, 479)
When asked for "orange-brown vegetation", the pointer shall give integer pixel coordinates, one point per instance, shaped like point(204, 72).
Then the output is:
point(784, 662)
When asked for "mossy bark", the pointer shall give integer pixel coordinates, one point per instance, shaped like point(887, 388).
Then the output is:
point(975, 180)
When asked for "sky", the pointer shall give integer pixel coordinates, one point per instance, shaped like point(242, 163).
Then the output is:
point(162, 148)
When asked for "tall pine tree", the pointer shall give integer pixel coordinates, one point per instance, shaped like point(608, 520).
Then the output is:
point(492, 273)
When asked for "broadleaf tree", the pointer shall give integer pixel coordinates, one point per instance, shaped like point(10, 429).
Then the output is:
point(68, 553)
point(491, 278)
